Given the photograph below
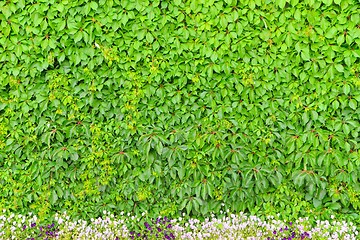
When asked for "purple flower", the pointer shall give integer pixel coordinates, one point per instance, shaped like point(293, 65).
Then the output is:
point(159, 229)
point(24, 227)
point(172, 236)
point(139, 235)
point(290, 223)
point(304, 235)
point(33, 225)
point(274, 232)
point(168, 226)
point(146, 225)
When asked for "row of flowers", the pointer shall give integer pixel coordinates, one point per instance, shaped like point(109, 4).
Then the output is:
point(125, 226)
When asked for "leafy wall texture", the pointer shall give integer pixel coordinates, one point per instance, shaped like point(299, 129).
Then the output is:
point(172, 106)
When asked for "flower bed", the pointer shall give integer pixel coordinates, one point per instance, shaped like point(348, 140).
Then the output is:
point(125, 226)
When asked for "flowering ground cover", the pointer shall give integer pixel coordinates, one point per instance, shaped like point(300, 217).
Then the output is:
point(125, 226)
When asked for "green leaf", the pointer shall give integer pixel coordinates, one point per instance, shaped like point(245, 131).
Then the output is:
point(39, 181)
point(281, 3)
point(335, 104)
point(353, 104)
point(183, 204)
point(59, 191)
point(149, 37)
point(305, 118)
point(331, 32)
point(346, 89)
point(291, 148)
point(305, 54)
point(339, 68)
point(94, 5)
point(317, 203)
point(141, 34)
point(347, 147)
point(159, 148)
point(299, 179)
point(59, 7)
point(322, 194)
point(78, 36)
point(333, 206)
point(87, 8)
point(6, 11)
point(181, 172)
point(314, 115)
point(53, 197)
point(340, 39)
point(189, 207)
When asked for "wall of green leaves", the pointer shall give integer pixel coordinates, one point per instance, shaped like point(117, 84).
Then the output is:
point(179, 106)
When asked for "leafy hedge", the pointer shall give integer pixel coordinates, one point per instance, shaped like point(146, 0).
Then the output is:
point(180, 105)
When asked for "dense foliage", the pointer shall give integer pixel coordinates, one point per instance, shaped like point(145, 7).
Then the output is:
point(171, 106)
